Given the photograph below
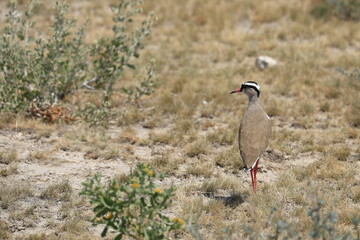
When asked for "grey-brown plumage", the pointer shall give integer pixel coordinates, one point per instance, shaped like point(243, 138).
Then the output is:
point(255, 130)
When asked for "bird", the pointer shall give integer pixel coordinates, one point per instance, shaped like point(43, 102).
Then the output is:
point(254, 131)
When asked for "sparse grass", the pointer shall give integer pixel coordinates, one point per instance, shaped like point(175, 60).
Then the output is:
point(218, 182)
point(164, 138)
point(41, 155)
point(9, 170)
point(58, 191)
point(201, 167)
point(356, 194)
point(22, 214)
point(167, 164)
point(340, 152)
point(351, 114)
point(229, 159)
point(194, 149)
point(9, 195)
point(223, 136)
point(4, 231)
point(112, 152)
point(37, 236)
point(128, 134)
point(121, 178)
point(73, 225)
point(130, 116)
point(8, 156)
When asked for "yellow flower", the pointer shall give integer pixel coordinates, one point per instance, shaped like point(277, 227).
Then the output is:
point(158, 190)
point(149, 172)
point(135, 185)
point(178, 220)
point(108, 216)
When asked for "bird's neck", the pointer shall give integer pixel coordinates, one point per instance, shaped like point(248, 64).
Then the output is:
point(253, 99)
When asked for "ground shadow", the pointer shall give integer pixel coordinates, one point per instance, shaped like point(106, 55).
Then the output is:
point(233, 200)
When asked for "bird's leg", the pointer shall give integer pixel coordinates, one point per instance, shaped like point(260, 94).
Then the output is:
point(255, 171)
point(252, 180)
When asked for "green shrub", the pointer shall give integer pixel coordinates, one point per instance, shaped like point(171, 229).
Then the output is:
point(134, 208)
point(43, 70)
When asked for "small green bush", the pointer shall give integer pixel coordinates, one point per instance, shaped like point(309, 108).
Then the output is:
point(134, 208)
point(43, 70)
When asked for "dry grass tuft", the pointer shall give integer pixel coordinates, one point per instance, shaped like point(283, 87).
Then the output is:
point(7, 157)
point(121, 178)
point(10, 194)
point(229, 159)
point(128, 135)
point(274, 108)
point(195, 149)
point(340, 152)
point(219, 182)
point(223, 136)
point(164, 138)
point(167, 163)
point(73, 226)
point(9, 170)
point(6, 119)
point(168, 103)
point(352, 115)
point(57, 191)
point(200, 167)
point(41, 155)
point(356, 194)
point(130, 116)
point(4, 231)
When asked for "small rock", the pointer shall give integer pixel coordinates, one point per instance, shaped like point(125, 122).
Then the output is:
point(263, 62)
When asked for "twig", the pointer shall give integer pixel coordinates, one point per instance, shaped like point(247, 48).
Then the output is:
point(86, 83)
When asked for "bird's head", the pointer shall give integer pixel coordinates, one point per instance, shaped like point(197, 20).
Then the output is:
point(249, 88)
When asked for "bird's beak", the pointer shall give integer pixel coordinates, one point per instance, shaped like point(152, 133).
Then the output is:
point(236, 91)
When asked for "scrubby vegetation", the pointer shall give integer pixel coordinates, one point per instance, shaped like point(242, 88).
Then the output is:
point(133, 208)
point(40, 69)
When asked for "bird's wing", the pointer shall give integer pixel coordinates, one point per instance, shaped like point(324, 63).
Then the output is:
point(254, 135)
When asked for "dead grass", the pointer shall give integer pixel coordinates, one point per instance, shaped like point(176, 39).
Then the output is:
point(212, 185)
point(194, 149)
point(167, 164)
point(165, 138)
point(340, 152)
point(40, 156)
point(4, 231)
point(57, 191)
point(229, 159)
point(128, 134)
point(8, 170)
point(200, 167)
point(8, 156)
point(10, 194)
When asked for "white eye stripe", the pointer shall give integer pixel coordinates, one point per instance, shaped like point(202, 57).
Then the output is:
point(252, 85)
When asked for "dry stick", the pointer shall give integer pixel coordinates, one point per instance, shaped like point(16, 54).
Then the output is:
point(85, 83)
